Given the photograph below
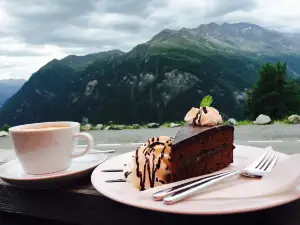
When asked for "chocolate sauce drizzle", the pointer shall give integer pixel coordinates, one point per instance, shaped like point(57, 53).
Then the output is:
point(197, 118)
point(113, 170)
point(148, 169)
point(127, 174)
point(114, 181)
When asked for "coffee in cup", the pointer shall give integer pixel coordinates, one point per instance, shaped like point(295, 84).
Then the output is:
point(48, 147)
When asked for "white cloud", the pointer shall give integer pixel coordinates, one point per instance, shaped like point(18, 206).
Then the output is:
point(21, 59)
point(52, 29)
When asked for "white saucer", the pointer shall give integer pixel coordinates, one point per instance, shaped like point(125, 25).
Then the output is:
point(13, 173)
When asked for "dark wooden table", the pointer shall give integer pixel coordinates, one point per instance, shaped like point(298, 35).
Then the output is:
point(82, 204)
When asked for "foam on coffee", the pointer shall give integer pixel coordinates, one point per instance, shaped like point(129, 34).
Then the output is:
point(45, 128)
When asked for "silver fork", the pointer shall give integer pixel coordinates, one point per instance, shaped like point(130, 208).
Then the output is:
point(257, 169)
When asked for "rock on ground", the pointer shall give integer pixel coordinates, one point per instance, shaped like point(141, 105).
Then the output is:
point(294, 119)
point(99, 126)
point(3, 134)
point(87, 127)
point(174, 125)
point(232, 121)
point(262, 119)
point(153, 125)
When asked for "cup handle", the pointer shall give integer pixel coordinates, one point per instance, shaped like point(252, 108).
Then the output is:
point(90, 144)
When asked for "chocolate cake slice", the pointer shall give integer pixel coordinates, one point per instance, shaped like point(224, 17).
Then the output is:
point(202, 146)
point(199, 150)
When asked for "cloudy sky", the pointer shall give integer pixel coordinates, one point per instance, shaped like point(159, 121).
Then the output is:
point(33, 32)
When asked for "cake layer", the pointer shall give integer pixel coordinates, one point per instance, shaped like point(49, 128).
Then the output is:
point(201, 150)
point(191, 131)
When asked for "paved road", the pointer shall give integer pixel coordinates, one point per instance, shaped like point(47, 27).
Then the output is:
point(283, 138)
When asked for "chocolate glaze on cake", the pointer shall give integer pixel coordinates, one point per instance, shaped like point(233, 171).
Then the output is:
point(199, 150)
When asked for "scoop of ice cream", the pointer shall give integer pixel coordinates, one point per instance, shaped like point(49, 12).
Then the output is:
point(203, 116)
point(150, 163)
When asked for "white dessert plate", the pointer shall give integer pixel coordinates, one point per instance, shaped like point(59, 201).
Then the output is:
point(125, 193)
point(13, 173)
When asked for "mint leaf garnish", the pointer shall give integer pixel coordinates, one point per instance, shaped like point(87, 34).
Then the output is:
point(206, 101)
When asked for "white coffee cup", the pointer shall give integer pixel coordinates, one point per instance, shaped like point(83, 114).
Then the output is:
point(48, 147)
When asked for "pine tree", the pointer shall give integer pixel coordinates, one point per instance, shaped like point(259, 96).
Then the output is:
point(292, 97)
point(273, 94)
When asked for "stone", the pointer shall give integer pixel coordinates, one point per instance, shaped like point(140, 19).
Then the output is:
point(86, 127)
point(174, 125)
point(262, 120)
point(294, 119)
point(152, 125)
point(99, 127)
point(232, 121)
point(3, 134)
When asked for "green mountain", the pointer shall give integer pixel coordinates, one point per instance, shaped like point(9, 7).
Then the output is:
point(159, 80)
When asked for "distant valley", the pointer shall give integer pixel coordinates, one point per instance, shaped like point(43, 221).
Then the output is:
point(156, 81)
point(8, 88)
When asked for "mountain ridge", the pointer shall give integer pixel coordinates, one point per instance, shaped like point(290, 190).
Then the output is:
point(79, 63)
point(158, 80)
